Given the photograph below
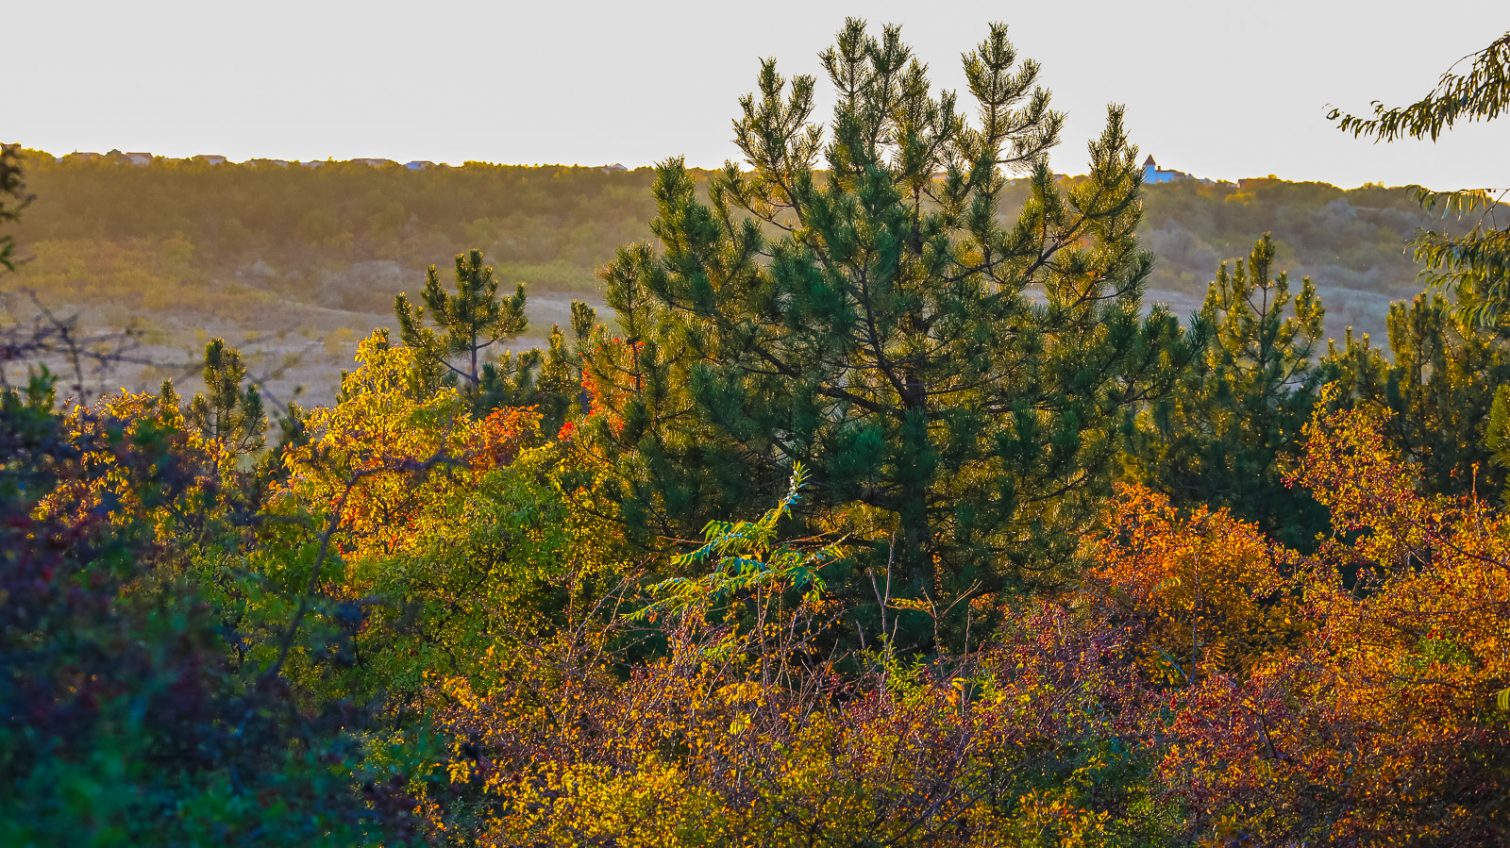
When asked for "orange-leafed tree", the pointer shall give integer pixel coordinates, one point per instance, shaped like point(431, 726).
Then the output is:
point(1379, 718)
point(1202, 589)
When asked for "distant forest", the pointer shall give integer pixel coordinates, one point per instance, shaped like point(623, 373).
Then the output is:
point(295, 262)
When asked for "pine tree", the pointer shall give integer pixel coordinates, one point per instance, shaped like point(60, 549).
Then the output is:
point(229, 411)
point(467, 323)
point(955, 378)
point(1219, 440)
point(1438, 384)
point(558, 388)
point(13, 198)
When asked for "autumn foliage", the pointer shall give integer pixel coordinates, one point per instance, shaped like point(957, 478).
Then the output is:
point(1205, 685)
point(1351, 697)
point(426, 624)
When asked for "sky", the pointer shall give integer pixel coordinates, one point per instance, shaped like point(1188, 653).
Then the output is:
point(1219, 89)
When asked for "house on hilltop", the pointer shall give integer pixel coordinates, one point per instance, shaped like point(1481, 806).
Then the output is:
point(210, 159)
point(139, 159)
point(1152, 173)
point(419, 165)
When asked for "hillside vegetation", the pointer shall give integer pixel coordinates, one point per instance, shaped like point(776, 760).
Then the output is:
point(295, 263)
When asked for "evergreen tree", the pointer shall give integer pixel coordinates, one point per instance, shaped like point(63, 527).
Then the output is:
point(558, 389)
point(548, 379)
point(1438, 384)
point(229, 411)
point(467, 323)
point(13, 198)
point(1240, 407)
point(955, 378)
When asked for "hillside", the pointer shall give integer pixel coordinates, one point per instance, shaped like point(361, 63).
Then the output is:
point(293, 263)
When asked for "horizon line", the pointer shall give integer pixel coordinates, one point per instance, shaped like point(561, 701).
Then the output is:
point(382, 161)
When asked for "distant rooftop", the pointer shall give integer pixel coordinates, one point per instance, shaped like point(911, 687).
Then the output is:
point(1153, 174)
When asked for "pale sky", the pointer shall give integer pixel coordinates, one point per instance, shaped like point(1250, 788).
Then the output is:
point(1219, 89)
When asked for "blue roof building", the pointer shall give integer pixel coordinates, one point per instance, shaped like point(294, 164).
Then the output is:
point(1152, 173)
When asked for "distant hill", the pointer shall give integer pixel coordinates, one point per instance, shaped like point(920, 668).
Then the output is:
point(294, 263)
point(1352, 243)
